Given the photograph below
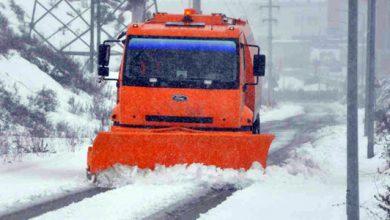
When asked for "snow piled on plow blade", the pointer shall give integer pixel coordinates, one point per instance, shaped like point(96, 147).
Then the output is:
point(198, 174)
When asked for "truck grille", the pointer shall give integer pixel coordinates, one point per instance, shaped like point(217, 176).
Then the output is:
point(164, 118)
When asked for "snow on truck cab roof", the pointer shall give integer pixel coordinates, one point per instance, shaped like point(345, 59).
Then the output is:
point(190, 24)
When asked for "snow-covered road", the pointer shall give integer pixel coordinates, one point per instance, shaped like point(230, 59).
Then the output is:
point(40, 179)
point(301, 175)
point(293, 132)
point(37, 180)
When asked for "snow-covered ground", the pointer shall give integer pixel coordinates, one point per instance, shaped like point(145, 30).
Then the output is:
point(280, 112)
point(27, 80)
point(36, 179)
point(150, 192)
point(290, 83)
point(39, 178)
point(312, 184)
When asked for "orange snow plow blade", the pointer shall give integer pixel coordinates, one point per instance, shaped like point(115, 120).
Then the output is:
point(146, 149)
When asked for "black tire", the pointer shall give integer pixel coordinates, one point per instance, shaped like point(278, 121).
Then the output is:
point(91, 177)
point(256, 126)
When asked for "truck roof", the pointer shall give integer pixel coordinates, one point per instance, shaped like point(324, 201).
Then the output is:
point(189, 25)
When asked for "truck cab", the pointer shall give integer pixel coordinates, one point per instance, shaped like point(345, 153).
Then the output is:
point(188, 70)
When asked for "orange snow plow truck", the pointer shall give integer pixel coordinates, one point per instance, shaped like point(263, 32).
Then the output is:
point(188, 92)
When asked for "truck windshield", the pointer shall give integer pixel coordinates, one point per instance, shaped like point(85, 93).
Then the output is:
point(183, 63)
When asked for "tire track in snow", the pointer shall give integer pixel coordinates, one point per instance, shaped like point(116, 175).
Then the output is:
point(44, 207)
point(191, 208)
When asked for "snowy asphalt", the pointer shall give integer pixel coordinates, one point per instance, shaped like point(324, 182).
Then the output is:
point(295, 131)
point(39, 209)
point(290, 133)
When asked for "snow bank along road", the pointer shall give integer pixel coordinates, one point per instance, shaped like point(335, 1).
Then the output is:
point(182, 200)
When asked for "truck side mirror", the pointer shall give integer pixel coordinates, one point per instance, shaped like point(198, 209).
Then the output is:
point(103, 71)
point(104, 54)
point(259, 61)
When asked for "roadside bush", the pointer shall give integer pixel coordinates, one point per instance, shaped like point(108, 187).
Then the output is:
point(45, 99)
point(384, 201)
point(383, 108)
point(15, 113)
point(101, 111)
point(75, 107)
point(4, 145)
point(4, 46)
point(382, 115)
point(64, 130)
point(39, 145)
point(19, 12)
point(39, 126)
point(4, 120)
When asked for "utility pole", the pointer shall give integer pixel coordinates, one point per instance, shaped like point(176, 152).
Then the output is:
point(352, 196)
point(92, 38)
point(155, 5)
point(98, 26)
point(137, 10)
point(196, 4)
point(370, 77)
point(270, 76)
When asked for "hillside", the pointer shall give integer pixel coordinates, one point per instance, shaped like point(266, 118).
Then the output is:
point(43, 93)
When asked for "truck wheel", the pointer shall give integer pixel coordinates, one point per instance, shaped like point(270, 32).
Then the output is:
point(91, 177)
point(256, 126)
